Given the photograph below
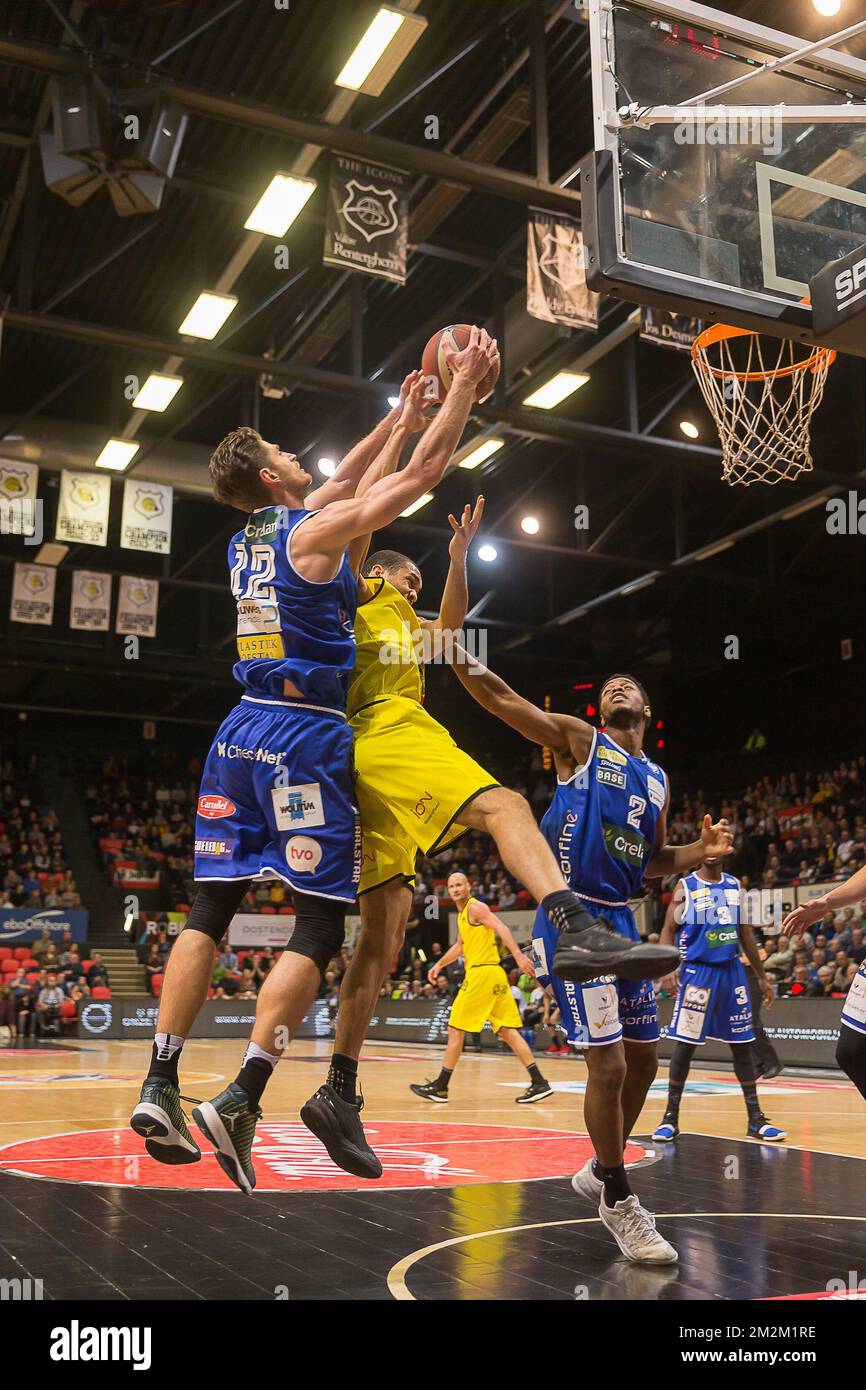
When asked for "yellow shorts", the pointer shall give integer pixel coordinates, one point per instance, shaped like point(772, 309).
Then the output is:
point(484, 994)
point(411, 782)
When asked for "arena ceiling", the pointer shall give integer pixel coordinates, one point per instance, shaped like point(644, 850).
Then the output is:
point(91, 297)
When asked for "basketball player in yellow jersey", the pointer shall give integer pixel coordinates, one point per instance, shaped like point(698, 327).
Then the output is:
point(485, 993)
point(416, 790)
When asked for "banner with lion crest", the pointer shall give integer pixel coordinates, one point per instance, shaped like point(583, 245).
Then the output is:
point(367, 218)
point(18, 483)
point(556, 288)
point(82, 514)
point(146, 520)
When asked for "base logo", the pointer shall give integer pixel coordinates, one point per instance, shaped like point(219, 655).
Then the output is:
point(288, 1159)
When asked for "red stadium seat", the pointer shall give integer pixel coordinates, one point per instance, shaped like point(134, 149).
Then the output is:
point(271, 911)
point(22, 952)
point(156, 984)
point(68, 1009)
point(85, 966)
point(5, 952)
point(32, 976)
point(102, 992)
point(30, 963)
point(9, 967)
point(286, 912)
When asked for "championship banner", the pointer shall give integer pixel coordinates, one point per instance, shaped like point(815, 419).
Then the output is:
point(669, 330)
point(136, 606)
point(555, 276)
point(33, 594)
point(367, 218)
point(146, 519)
point(18, 496)
point(90, 604)
point(82, 515)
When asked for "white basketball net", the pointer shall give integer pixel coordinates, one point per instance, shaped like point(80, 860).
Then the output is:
point(762, 394)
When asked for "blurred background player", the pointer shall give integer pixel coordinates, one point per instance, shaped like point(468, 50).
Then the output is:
point(712, 990)
point(485, 995)
point(851, 1047)
point(607, 823)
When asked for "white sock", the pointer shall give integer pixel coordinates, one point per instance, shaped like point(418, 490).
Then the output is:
point(253, 1050)
point(167, 1044)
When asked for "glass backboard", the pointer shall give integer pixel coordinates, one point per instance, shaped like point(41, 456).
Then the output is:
point(724, 208)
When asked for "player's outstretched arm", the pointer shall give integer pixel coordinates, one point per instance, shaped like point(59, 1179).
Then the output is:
point(412, 417)
point(716, 841)
point(320, 542)
point(844, 895)
point(455, 595)
point(564, 734)
point(347, 477)
point(481, 915)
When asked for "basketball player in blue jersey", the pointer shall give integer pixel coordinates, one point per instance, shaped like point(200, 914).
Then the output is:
point(276, 797)
point(713, 1001)
point(607, 824)
point(851, 1047)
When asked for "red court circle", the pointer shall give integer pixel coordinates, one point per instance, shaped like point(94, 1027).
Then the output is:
point(288, 1159)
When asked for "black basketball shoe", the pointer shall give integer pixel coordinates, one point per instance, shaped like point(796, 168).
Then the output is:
point(336, 1123)
point(160, 1121)
point(599, 950)
point(229, 1121)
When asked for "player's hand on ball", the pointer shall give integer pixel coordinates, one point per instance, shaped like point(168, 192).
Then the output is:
point(716, 839)
point(465, 529)
point(470, 366)
point(490, 380)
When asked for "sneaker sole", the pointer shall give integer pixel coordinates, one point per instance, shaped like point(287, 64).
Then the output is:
point(440, 1100)
point(162, 1140)
point(636, 1259)
point(766, 1138)
point(664, 1138)
point(530, 1100)
point(322, 1122)
point(208, 1120)
point(644, 962)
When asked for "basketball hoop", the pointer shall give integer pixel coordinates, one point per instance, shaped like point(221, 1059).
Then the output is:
point(762, 393)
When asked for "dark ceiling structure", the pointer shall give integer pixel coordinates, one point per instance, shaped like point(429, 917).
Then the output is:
point(672, 561)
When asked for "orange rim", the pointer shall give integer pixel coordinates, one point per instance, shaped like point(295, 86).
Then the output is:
point(722, 332)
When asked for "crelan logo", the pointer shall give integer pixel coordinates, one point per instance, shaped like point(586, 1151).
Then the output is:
point(77, 1343)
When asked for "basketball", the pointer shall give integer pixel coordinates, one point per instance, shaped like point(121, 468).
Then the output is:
point(454, 338)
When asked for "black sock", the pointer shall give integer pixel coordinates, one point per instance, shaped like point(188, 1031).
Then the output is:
point(165, 1055)
point(616, 1184)
point(256, 1071)
point(535, 1075)
point(566, 911)
point(675, 1095)
point(443, 1078)
point(342, 1075)
point(753, 1105)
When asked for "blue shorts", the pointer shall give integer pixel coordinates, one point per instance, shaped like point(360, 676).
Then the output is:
point(854, 1008)
point(602, 1011)
point(713, 1002)
point(277, 799)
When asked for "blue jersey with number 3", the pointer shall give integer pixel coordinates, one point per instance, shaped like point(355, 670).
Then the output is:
point(601, 823)
point(288, 627)
point(710, 917)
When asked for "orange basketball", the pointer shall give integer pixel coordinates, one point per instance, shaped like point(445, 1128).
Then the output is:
point(435, 368)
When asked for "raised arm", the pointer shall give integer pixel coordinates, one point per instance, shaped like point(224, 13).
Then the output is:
point(411, 415)
point(568, 737)
point(343, 483)
point(455, 595)
point(320, 542)
point(715, 842)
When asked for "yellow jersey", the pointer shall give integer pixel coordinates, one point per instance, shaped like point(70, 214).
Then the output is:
point(390, 649)
point(479, 942)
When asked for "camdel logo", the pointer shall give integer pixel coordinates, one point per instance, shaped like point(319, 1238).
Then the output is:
point(96, 1018)
point(215, 807)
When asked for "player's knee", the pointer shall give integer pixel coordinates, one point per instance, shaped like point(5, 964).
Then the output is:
point(320, 925)
point(608, 1068)
point(214, 906)
point(851, 1053)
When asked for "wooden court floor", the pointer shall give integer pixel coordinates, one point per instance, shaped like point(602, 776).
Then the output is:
point(475, 1201)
